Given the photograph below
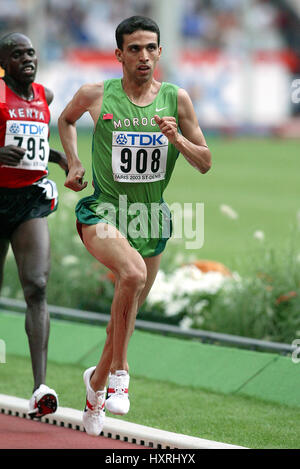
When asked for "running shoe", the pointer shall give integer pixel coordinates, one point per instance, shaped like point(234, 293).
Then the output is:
point(43, 401)
point(117, 400)
point(94, 413)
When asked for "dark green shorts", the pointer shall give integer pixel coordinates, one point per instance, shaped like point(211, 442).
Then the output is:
point(147, 227)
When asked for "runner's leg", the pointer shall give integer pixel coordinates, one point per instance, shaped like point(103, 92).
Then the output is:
point(130, 272)
point(152, 264)
point(31, 246)
point(4, 244)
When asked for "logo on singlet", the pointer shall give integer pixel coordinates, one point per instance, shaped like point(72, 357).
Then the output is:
point(14, 128)
point(121, 139)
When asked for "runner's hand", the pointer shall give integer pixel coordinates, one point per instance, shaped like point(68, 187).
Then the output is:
point(11, 155)
point(168, 127)
point(74, 179)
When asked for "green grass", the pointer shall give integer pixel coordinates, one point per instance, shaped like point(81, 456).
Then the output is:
point(258, 178)
point(230, 419)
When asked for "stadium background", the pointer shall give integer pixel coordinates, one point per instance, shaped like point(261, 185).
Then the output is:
point(239, 59)
point(236, 58)
point(240, 62)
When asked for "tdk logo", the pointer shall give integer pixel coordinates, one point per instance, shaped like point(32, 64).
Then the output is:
point(121, 139)
point(143, 139)
point(32, 129)
point(14, 128)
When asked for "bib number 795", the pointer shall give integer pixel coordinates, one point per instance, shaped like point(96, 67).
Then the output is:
point(31, 150)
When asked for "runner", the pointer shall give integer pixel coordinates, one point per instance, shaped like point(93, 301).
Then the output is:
point(27, 197)
point(136, 143)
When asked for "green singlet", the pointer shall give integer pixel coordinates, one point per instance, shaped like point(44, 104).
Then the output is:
point(132, 164)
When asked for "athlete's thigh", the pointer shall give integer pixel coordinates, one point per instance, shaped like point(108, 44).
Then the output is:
point(4, 245)
point(152, 265)
point(31, 246)
point(111, 248)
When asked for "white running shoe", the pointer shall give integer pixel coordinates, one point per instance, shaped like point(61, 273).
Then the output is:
point(43, 401)
point(117, 400)
point(94, 413)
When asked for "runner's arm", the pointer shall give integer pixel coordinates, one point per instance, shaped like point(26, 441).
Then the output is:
point(49, 95)
point(86, 99)
point(58, 157)
point(55, 156)
point(191, 142)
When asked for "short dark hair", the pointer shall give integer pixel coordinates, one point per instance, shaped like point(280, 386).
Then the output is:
point(4, 43)
point(135, 23)
point(7, 41)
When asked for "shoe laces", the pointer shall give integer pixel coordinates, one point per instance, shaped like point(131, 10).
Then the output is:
point(119, 384)
point(98, 407)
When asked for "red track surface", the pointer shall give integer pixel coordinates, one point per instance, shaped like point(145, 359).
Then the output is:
point(20, 433)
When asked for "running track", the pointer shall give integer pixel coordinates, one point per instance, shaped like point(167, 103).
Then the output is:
point(21, 433)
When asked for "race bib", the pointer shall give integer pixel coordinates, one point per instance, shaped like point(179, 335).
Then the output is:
point(139, 156)
point(33, 137)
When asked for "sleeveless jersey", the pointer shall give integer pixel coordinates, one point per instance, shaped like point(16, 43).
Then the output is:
point(25, 124)
point(130, 155)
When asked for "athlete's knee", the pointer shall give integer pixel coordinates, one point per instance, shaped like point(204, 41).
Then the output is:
point(35, 288)
point(134, 278)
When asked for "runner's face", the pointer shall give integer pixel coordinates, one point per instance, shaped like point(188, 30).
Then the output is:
point(21, 61)
point(139, 55)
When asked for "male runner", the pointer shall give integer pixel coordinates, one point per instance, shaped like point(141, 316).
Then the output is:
point(27, 197)
point(135, 146)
